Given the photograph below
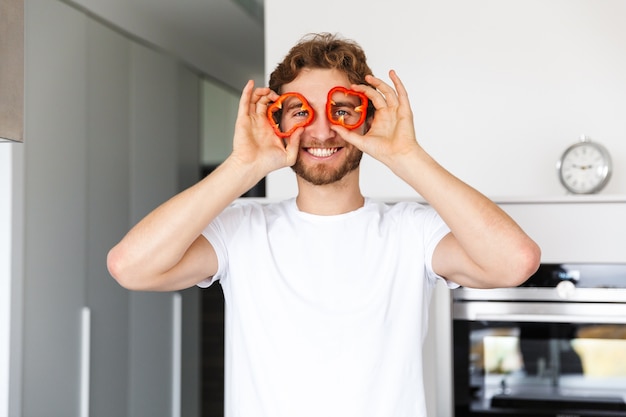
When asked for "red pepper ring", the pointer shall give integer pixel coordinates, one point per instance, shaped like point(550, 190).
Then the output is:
point(274, 113)
point(355, 114)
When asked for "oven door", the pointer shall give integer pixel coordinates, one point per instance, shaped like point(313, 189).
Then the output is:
point(539, 359)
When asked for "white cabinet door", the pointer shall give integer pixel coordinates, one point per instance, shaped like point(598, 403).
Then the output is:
point(103, 150)
point(108, 207)
point(54, 208)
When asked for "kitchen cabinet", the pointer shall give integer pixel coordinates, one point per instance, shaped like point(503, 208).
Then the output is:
point(103, 126)
point(55, 209)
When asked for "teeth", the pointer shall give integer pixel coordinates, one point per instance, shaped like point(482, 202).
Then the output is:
point(322, 152)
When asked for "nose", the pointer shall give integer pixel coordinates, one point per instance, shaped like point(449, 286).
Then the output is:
point(320, 126)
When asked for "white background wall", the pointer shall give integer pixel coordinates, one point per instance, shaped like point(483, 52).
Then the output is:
point(5, 273)
point(499, 88)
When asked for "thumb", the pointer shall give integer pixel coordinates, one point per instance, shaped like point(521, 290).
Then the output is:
point(349, 136)
point(292, 145)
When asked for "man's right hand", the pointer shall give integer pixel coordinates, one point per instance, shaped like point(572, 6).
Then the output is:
point(255, 143)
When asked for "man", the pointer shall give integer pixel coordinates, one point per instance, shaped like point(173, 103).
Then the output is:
point(326, 293)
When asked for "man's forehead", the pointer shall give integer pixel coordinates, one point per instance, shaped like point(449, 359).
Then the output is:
point(314, 83)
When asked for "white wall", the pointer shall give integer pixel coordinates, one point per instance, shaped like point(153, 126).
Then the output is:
point(5, 273)
point(570, 230)
point(499, 89)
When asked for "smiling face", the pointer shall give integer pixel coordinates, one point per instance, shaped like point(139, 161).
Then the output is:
point(324, 157)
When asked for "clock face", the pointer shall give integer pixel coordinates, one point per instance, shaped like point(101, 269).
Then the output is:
point(584, 168)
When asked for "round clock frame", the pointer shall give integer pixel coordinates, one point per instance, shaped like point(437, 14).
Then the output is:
point(585, 167)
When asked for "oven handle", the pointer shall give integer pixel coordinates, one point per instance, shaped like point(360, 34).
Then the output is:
point(550, 318)
point(609, 313)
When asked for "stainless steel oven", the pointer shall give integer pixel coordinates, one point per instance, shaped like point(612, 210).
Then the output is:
point(555, 346)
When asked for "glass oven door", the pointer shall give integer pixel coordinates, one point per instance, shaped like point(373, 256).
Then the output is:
point(537, 362)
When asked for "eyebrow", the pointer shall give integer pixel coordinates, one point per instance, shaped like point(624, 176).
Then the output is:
point(346, 104)
point(293, 105)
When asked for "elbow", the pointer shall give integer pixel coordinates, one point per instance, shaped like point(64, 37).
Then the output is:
point(510, 269)
point(129, 274)
point(119, 270)
point(525, 263)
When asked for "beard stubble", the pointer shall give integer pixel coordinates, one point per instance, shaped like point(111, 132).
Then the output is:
point(322, 174)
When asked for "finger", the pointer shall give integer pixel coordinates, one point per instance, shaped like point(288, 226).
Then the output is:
point(388, 91)
point(259, 100)
point(374, 95)
point(349, 136)
point(292, 145)
point(262, 98)
point(403, 95)
point(244, 100)
point(389, 94)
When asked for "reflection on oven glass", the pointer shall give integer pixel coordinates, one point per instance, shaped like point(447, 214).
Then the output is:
point(602, 350)
point(502, 354)
point(595, 350)
point(530, 361)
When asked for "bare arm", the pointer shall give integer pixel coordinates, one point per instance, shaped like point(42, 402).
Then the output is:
point(165, 251)
point(485, 248)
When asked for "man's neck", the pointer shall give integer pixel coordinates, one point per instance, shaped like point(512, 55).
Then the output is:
point(332, 199)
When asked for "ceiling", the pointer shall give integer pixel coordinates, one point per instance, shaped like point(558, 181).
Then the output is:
point(233, 28)
point(221, 38)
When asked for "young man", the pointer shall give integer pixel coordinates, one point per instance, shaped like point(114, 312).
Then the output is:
point(326, 293)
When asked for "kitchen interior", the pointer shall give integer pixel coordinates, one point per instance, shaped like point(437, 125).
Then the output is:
point(500, 91)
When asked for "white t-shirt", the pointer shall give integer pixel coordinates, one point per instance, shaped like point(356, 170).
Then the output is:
point(325, 315)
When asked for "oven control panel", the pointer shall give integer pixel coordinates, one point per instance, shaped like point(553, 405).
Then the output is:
point(579, 282)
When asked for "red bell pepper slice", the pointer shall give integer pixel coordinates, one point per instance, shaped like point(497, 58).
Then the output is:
point(274, 113)
point(345, 107)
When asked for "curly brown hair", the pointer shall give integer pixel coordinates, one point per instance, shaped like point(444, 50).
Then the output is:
point(326, 51)
point(321, 50)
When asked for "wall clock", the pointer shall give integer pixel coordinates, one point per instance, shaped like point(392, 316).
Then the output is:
point(585, 167)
